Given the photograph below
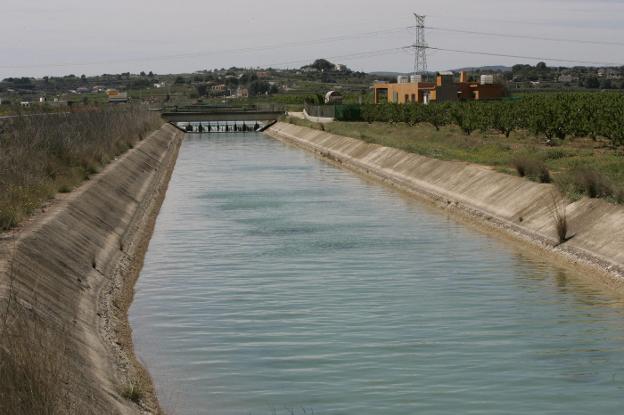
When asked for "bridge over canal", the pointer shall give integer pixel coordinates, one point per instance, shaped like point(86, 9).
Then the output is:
point(204, 118)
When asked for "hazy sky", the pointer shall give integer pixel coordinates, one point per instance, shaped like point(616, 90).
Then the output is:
point(55, 37)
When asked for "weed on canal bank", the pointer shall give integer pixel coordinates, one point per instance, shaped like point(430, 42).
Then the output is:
point(578, 166)
point(40, 156)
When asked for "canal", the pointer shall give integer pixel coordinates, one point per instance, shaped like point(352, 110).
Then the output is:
point(276, 283)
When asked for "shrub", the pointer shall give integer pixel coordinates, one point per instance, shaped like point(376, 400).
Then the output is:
point(531, 167)
point(560, 219)
point(592, 183)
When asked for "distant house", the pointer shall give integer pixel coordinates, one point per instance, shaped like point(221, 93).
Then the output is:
point(263, 74)
point(242, 93)
point(83, 90)
point(444, 89)
point(340, 67)
point(612, 73)
point(159, 85)
point(25, 104)
point(565, 78)
point(116, 97)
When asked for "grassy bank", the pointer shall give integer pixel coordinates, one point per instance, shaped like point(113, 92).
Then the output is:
point(33, 366)
point(578, 166)
point(41, 156)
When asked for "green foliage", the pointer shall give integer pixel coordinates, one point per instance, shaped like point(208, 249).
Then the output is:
point(502, 117)
point(469, 117)
point(554, 116)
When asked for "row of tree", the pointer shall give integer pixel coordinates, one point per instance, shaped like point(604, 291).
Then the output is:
point(550, 115)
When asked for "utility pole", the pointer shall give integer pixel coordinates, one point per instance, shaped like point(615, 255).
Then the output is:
point(420, 47)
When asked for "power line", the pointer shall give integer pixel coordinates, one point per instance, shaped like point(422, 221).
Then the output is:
point(504, 55)
point(351, 56)
point(530, 37)
point(221, 51)
point(549, 23)
point(418, 46)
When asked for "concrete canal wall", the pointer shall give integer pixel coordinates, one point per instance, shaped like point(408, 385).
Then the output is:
point(75, 265)
point(512, 204)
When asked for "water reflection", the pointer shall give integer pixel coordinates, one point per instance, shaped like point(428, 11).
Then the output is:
point(276, 283)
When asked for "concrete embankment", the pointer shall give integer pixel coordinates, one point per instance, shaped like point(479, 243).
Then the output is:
point(74, 266)
point(511, 204)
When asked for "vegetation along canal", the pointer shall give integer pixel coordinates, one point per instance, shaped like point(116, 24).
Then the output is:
point(277, 283)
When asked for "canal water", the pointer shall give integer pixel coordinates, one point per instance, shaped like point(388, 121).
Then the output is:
point(276, 283)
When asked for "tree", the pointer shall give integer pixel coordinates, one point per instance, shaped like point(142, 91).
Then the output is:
point(201, 89)
point(591, 82)
point(231, 83)
point(436, 115)
point(326, 78)
point(606, 84)
point(140, 84)
point(322, 65)
point(259, 88)
point(467, 116)
point(503, 117)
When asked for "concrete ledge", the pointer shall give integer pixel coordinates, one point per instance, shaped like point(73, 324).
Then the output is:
point(511, 204)
point(72, 263)
point(322, 120)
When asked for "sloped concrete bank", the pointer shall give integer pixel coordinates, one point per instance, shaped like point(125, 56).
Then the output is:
point(518, 207)
point(75, 265)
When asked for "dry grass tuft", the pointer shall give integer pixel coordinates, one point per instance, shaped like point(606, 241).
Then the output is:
point(531, 167)
point(33, 366)
point(593, 183)
point(44, 155)
point(133, 392)
point(560, 219)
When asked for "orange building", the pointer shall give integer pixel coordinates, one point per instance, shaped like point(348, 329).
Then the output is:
point(445, 89)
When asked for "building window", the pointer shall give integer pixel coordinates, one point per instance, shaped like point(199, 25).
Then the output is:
point(406, 98)
point(381, 95)
point(413, 97)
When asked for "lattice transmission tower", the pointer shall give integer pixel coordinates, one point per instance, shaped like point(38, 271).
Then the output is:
point(420, 47)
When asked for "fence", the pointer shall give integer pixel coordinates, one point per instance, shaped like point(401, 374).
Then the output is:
point(348, 112)
point(324, 111)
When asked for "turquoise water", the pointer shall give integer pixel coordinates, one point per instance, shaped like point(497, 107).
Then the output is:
point(278, 284)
